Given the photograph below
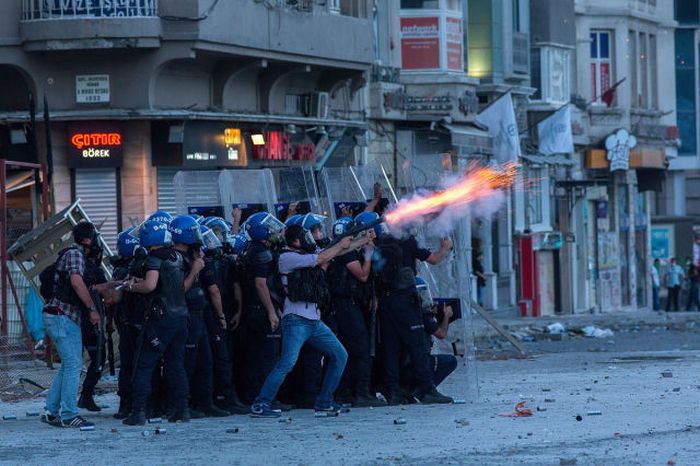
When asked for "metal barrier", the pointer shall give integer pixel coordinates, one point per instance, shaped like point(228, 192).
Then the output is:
point(77, 9)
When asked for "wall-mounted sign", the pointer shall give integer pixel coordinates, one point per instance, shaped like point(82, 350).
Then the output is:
point(95, 145)
point(453, 43)
point(212, 144)
point(91, 88)
point(618, 145)
point(420, 43)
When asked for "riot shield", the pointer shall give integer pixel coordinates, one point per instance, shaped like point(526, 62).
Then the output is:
point(296, 185)
point(198, 192)
point(250, 190)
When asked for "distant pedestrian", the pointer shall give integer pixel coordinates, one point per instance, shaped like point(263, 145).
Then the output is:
point(655, 284)
point(674, 278)
point(478, 270)
point(693, 288)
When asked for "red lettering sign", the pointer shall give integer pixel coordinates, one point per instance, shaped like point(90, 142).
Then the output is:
point(80, 140)
point(420, 43)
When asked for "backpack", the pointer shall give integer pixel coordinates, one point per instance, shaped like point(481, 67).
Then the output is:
point(48, 277)
point(387, 262)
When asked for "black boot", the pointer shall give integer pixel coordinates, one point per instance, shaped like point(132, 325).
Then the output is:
point(364, 399)
point(236, 406)
point(180, 415)
point(124, 409)
point(87, 402)
point(433, 396)
point(214, 411)
point(136, 418)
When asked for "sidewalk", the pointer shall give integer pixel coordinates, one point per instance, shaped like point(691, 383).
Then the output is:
point(615, 321)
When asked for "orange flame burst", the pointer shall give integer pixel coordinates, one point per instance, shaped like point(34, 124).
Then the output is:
point(478, 183)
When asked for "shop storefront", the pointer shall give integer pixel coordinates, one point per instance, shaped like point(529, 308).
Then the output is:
point(95, 157)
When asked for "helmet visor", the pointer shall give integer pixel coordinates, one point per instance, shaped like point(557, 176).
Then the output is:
point(210, 240)
point(273, 224)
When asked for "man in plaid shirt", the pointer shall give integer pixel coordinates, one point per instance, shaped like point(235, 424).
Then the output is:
point(62, 322)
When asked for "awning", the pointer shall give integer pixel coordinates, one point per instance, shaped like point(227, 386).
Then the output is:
point(469, 139)
point(559, 159)
point(650, 179)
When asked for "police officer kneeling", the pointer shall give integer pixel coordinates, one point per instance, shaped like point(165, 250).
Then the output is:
point(165, 333)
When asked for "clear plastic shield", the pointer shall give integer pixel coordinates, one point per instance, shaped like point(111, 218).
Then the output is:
point(250, 190)
point(198, 192)
point(296, 185)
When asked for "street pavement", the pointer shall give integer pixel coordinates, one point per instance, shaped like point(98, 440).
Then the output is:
point(628, 399)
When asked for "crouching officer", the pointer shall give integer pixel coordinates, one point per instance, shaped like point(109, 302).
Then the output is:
point(435, 324)
point(165, 330)
point(187, 238)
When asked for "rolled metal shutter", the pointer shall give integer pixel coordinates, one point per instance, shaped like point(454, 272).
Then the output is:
point(166, 189)
point(97, 191)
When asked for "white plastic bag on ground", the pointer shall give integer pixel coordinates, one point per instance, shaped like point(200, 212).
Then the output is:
point(595, 332)
point(556, 328)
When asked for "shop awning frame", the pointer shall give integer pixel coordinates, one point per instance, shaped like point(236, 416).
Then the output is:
point(176, 114)
point(538, 159)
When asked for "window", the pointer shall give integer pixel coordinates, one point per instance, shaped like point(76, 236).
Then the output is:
point(354, 8)
point(687, 11)
point(652, 72)
point(420, 4)
point(516, 15)
point(685, 90)
point(537, 199)
point(551, 74)
point(601, 64)
point(633, 61)
point(642, 53)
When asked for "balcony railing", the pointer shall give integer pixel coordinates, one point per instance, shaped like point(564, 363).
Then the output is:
point(78, 9)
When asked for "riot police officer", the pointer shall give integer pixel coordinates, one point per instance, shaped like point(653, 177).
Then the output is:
point(129, 313)
point(165, 331)
point(401, 326)
point(220, 270)
point(348, 275)
point(259, 333)
point(187, 239)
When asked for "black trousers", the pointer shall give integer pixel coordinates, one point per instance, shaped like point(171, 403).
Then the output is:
point(222, 369)
point(259, 352)
point(170, 334)
point(128, 341)
point(673, 292)
point(92, 377)
point(198, 362)
point(354, 335)
point(401, 330)
point(441, 366)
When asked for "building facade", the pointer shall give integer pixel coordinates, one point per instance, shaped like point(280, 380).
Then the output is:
point(141, 89)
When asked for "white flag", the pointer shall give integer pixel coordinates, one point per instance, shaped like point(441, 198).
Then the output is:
point(554, 133)
point(499, 117)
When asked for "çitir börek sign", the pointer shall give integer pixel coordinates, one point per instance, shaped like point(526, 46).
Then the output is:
point(87, 141)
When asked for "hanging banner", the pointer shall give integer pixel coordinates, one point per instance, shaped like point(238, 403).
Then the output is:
point(453, 43)
point(420, 43)
point(499, 117)
point(554, 133)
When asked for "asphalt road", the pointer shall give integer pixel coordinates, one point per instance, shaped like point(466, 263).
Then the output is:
point(644, 418)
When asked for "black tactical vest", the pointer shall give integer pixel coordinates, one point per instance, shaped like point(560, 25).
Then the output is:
point(170, 291)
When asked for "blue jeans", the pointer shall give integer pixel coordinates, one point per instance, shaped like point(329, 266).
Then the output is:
point(296, 331)
point(63, 395)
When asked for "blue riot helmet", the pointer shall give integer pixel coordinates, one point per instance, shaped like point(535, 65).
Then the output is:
point(342, 225)
point(210, 241)
point(295, 219)
point(314, 223)
point(160, 216)
point(219, 226)
point(153, 233)
point(424, 294)
point(238, 242)
point(126, 243)
point(365, 218)
point(264, 226)
point(185, 230)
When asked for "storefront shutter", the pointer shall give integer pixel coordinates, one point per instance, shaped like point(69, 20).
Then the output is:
point(166, 190)
point(97, 191)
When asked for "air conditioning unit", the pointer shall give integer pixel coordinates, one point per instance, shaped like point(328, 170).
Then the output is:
point(318, 105)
